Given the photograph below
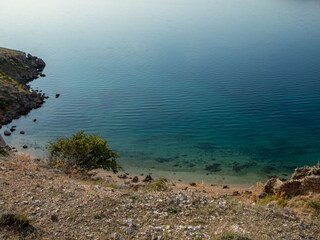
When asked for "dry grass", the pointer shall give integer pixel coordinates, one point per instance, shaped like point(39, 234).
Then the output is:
point(158, 185)
point(307, 207)
point(232, 236)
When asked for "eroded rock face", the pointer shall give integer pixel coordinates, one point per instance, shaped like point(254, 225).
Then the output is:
point(303, 181)
point(304, 172)
point(2, 142)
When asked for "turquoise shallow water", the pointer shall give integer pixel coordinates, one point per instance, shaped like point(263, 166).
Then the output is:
point(220, 91)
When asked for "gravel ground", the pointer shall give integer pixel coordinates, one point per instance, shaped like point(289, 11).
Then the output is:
point(58, 206)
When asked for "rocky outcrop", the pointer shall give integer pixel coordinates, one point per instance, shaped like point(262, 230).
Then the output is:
point(303, 181)
point(2, 142)
point(17, 69)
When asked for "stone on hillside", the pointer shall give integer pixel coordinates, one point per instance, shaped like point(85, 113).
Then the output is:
point(135, 179)
point(148, 178)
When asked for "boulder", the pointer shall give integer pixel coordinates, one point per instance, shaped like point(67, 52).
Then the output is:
point(29, 56)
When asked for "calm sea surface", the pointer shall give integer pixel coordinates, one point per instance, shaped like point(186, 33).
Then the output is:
point(224, 91)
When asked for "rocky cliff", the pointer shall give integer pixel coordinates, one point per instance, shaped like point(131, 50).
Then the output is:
point(17, 69)
point(304, 180)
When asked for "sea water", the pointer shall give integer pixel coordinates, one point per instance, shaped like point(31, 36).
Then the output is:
point(213, 90)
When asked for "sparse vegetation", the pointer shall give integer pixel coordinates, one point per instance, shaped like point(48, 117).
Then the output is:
point(273, 198)
point(315, 205)
point(281, 202)
point(3, 152)
point(83, 152)
point(158, 185)
point(232, 236)
point(19, 221)
point(172, 210)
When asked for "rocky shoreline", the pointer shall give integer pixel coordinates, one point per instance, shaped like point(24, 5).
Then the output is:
point(17, 69)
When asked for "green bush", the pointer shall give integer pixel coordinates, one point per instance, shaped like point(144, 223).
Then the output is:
point(3, 152)
point(15, 220)
point(84, 152)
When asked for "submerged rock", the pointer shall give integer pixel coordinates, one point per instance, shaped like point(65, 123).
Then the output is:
point(7, 133)
point(214, 167)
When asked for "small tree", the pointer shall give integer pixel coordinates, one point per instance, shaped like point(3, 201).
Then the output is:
point(83, 151)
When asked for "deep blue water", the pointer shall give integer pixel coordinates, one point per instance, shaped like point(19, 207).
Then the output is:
point(176, 86)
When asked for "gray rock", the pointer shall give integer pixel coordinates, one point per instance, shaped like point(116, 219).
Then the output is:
point(116, 236)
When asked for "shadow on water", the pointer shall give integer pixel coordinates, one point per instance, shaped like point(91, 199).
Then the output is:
point(207, 147)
